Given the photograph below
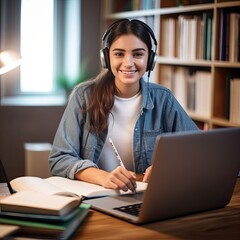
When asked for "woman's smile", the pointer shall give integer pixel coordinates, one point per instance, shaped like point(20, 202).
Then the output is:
point(128, 72)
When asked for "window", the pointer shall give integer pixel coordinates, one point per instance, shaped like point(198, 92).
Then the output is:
point(47, 35)
point(36, 46)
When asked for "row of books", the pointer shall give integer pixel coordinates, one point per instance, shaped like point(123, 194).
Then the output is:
point(192, 2)
point(233, 99)
point(229, 39)
point(187, 37)
point(192, 89)
point(133, 5)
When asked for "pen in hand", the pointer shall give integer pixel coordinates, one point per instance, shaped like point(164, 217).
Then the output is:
point(118, 157)
point(116, 153)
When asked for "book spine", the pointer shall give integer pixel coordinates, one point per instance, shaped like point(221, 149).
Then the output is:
point(227, 94)
point(222, 38)
point(204, 35)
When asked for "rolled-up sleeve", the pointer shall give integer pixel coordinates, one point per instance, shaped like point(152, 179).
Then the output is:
point(65, 158)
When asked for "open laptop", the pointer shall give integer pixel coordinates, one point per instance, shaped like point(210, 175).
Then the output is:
point(192, 172)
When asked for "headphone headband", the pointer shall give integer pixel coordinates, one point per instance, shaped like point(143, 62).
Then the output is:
point(150, 31)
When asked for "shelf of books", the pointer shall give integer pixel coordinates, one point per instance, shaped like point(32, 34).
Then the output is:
point(198, 53)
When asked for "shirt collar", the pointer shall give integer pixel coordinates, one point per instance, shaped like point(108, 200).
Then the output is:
point(146, 93)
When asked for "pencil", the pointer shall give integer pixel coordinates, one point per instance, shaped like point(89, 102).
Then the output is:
point(119, 159)
point(116, 152)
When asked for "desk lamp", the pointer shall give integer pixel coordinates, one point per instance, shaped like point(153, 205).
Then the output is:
point(8, 62)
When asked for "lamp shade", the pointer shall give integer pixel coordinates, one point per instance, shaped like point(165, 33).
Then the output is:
point(8, 61)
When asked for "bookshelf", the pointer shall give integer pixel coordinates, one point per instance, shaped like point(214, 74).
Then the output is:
point(198, 53)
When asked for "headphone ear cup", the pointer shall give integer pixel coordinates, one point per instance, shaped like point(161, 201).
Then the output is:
point(151, 61)
point(104, 57)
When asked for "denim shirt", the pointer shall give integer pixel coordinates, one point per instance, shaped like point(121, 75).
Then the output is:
point(76, 148)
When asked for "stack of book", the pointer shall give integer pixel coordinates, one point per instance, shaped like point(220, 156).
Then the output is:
point(41, 216)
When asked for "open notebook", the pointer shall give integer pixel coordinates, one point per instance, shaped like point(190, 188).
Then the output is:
point(192, 172)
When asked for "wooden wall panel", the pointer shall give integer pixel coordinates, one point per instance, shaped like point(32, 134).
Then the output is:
point(20, 124)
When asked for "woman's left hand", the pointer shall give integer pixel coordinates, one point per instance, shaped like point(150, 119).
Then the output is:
point(147, 174)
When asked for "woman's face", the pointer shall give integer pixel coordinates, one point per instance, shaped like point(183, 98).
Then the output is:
point(128, 60)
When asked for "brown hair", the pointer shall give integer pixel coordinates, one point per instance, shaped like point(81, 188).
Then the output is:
point(101, 102)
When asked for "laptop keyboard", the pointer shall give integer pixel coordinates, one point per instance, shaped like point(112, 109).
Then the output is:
point(133, 209)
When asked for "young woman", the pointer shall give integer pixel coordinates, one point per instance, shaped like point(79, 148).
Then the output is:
point(118, 107)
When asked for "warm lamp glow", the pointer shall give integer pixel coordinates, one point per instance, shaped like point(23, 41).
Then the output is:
point(8, 61)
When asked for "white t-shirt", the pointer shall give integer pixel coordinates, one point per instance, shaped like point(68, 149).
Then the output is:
point(120, 129)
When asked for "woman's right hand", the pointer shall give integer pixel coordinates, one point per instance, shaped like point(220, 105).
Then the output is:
point(120, 179)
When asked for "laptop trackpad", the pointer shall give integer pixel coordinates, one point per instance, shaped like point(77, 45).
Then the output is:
point(108, 204)
point(116, 201)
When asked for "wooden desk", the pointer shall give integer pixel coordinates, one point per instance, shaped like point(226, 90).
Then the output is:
point(217, 224)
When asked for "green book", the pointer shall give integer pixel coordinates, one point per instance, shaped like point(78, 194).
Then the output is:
point(48, 230)
point(207, 35)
